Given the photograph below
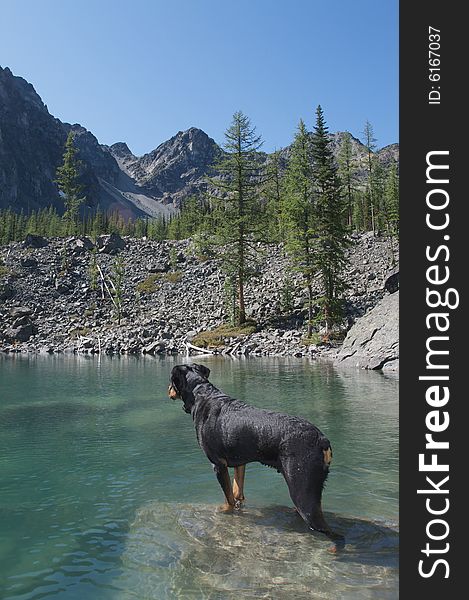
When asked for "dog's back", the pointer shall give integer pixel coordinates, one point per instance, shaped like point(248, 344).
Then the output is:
point(239, 433)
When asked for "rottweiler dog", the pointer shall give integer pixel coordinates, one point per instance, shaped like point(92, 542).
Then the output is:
point(232, 434)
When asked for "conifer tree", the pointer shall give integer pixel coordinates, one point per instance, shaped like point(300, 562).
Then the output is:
point(331, 240)
point(347, 173)
point(236, 223)
point(273, 191)
point(391, 195)
point(299, 212)
point(378, 177)
point(67, 179)
point(370, 145)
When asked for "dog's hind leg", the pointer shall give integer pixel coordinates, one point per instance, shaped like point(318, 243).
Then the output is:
point(305, 483)
point(238, 483)
point(224, 480)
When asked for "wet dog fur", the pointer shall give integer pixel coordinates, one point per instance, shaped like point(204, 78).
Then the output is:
point(232, 434)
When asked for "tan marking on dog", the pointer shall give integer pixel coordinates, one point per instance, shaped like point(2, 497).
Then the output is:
point(327, 456)
point(238, 483)
point(172, 393)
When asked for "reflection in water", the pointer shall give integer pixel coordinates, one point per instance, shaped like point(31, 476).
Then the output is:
point(105, 494)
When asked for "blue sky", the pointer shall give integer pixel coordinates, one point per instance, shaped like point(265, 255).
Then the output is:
point(140, 70)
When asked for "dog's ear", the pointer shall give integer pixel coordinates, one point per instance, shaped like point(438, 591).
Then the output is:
point(201, 370)
point(178, 376)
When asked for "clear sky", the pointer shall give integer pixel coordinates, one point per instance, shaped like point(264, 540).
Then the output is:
point(140, 70)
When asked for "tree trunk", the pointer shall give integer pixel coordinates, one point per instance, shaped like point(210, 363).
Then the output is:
point(309, 331)
point(241, 306)
point(326, 319)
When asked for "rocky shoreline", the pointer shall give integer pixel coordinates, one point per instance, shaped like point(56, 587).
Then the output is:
point(57, 295)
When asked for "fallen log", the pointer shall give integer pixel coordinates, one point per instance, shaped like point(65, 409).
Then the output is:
point(190, 346)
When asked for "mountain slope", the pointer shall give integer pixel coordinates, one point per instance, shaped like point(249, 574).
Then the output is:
point(32, 144)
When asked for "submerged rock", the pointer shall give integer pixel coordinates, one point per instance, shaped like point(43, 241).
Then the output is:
point(194, 551)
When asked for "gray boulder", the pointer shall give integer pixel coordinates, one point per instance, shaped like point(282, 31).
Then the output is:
point(21, 333)
point(391, 283)
point(35, 241)
point(20, 311)
point(110, 244)
point(80, 245)
point(373, 341)
point(7, 291)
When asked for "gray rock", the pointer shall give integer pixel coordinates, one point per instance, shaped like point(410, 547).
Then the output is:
point(81, 245)
point(22, 333)
point(35, 241)
point(110, 244)
point(20, 311)
point(391, 283)
point(162, 267)
point(29, 262)
point(374, 339)
point(7, 291)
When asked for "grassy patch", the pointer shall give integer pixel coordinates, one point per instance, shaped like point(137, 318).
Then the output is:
point(149, 285)
point(314, 339)
point(79, 332)
point(174, 277)
point(216, 337)
point(321, 338)
point(4, 271)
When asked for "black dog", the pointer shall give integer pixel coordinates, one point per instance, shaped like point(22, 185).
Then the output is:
point(232, 433)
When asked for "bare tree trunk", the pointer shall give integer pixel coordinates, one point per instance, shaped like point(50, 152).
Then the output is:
point(241, 305)
point(309, 330)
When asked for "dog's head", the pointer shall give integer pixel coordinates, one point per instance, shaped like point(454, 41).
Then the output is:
point(184, 378)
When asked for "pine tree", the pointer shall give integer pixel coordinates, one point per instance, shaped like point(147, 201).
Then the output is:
point(347, 173)
point(236, 202)
point(273, 191)
point(370, 145)
point(331, 240)
point(68, 182)
point(378, 177)
point(299, 212)
point(391, 195)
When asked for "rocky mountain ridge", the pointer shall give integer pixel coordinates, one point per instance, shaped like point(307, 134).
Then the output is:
point(32, 144)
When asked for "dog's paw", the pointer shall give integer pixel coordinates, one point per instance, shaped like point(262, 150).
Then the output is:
point(226, 508)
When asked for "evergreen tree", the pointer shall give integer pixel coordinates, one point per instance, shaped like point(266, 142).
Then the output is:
point(331, 240)
point(378, 177)
point(347, 174)
point(273, 192)
point(370, 145)
point(158, 229)
point(391, 195)
point(299, 212)
point(235, 196)
point(67, 179)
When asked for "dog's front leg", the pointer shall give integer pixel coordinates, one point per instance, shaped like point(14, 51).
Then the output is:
point(224, 480)
point(238, 483)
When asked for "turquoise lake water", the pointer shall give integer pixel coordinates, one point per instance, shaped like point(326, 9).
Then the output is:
point(105, 494)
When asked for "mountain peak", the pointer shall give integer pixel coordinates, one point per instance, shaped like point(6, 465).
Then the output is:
point(121, 150)
point(15, 90)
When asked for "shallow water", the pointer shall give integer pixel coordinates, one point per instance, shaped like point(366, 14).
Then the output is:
point(105, 494)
